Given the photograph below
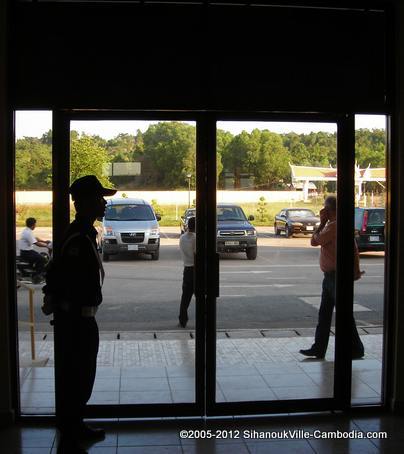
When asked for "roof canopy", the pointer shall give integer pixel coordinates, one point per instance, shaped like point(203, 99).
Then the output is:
point(306, 173)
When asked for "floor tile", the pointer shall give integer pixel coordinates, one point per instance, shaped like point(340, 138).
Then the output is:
point(102, 450)
point(216, 448)
point(181, 371)
point(150, 450)
point(246, 394)
point(145, 397)
point(37, 400)
point(183, 396)
point(144, 384)
point(275, 368)
point(144, 372)
point(304, 392)
point(107, 384)
point(181, 383)
point(386, 423)
point(32, 385)
point(133, 437)
point(104, 398)
point(223, 371)
point(281, 447)
point(108, 372)
point(241, 382)
point(343, 447)
point(277, 380)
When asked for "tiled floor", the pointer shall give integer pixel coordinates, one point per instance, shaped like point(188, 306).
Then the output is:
point(235, 436)
point(162, 371)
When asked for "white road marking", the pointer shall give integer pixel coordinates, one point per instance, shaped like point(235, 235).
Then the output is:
point(315, 302)
point(257, 285)
point(232, 296)
point(244, 272)
point(287, 278)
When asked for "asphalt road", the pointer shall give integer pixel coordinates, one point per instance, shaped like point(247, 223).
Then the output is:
point(280, 289)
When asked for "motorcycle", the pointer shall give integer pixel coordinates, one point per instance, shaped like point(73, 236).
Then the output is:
point(26, 272)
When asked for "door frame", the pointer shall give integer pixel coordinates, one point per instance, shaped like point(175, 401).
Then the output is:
point(61, 219)
point(341, 399)
point(207, 261)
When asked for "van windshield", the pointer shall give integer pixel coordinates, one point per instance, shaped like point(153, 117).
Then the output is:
point(130, 212)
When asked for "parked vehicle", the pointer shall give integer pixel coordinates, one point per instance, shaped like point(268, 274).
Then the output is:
point(235, 233)
point(295, 220)
point(370, 229)
point(130, 225)
point(189, 213)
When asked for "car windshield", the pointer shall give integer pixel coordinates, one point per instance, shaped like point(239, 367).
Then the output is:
point(130, 212)
point(189, 213)
point(300, 213)
point(230, 213)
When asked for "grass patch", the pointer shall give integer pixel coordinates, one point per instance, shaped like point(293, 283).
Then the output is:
point(170, 217)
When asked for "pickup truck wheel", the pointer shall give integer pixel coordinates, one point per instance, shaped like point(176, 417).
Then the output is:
point(252, 253)
point(156, 254)
point(105, 257)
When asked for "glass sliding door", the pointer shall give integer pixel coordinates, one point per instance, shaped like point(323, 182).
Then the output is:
point(146, 361)
point(33, 195)
point(370, 235)
point(272, 181)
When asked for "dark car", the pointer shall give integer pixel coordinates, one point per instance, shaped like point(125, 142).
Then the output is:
point(234, 231)
point(296, 220)
point(370, 229)
point(189, 213)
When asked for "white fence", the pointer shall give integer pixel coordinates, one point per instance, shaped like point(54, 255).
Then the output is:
point(175, 197)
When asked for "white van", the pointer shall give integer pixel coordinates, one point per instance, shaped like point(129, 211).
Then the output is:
point(130, 225)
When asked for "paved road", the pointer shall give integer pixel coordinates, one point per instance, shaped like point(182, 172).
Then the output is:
point(280, 289)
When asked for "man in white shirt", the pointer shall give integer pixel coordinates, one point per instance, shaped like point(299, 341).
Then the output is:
point(187, 248)
point(27, 252)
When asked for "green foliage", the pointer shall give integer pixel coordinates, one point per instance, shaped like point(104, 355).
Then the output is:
point(157, 208)
point(166, 151)
point(87, 157)
point(262, 209)
point(33, 170)
point(169, 155)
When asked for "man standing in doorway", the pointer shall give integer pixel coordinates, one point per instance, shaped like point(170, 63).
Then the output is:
point(326, 237)
point(74, 284)
point(187, 248)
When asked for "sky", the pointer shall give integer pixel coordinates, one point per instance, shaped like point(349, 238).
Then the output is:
point(36, 123)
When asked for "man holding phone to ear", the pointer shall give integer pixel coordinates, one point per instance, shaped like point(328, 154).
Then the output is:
point(326, 237)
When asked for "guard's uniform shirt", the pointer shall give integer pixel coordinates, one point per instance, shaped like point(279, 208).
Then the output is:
point(80, 266)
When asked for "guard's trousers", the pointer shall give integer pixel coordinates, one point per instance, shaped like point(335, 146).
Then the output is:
point(76, 349)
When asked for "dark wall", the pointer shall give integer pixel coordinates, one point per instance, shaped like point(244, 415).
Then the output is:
point(195, 57)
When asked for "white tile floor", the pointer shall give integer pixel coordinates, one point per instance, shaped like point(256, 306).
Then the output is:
point(162, 371)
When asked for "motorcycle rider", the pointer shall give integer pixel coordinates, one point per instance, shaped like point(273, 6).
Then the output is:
point(27, 252)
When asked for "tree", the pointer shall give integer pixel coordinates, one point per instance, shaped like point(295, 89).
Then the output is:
point(272, 166)
point(169, 155)
point(121, 148)
point(88, 157)
point(33, 168)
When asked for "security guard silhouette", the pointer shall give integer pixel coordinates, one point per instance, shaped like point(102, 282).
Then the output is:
point(74, 285)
